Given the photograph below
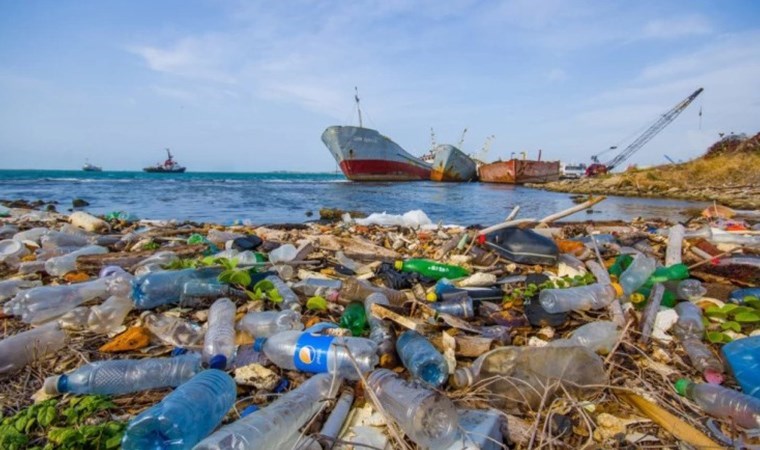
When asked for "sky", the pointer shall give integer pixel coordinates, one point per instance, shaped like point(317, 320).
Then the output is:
point(249, 86)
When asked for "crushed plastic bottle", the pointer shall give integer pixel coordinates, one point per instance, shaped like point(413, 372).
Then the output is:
point(421, 359)
point(743, 357)
point(354, 318)
point(426, 416)
point(164, 287)
point(109, 315)
point(431, 269)
point(28, 346)
point(690, 290)
point(289, 298)
point(124, 376)
point(675, 243)
point(61, 265)
point(581, 298)
point(689, 330)
point(308, 352)
point(600, 337)
point(219, 343)
point(185, 416)
point(268, 323)
point(723, 403)
point(637, 273)
point(173, 330)
point(277, 425)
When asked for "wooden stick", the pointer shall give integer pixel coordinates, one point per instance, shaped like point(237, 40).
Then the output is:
point(718, 256)
point(587, 204)
point(513, 214)
point(507, 224)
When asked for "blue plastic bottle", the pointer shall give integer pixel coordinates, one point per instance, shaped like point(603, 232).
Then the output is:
point(184, 417)
point(421, 359)
point(168, 286)
point(743, 356)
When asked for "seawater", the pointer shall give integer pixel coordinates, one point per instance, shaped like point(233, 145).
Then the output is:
point(282, 197)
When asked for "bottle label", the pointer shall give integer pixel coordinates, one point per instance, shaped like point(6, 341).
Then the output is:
point(311, 353)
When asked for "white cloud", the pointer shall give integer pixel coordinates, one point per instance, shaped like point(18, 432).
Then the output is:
point(676, 27)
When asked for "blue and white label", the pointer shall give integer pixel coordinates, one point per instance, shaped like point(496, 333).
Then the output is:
point(311, 353)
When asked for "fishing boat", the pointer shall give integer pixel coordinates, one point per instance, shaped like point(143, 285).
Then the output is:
point(364, 154)
point(520, 171)
point(87, 167)
point(168, 166)
point(451, 164)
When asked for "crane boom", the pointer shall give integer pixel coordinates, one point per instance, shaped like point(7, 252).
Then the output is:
point(645, 137)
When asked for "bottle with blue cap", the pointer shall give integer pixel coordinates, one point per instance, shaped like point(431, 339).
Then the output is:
point(421, 359)
point(124, 376)
point(219, 343)
point(165, 287)
point(315, 353)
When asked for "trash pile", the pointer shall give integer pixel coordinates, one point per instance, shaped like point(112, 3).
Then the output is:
point(385, 332)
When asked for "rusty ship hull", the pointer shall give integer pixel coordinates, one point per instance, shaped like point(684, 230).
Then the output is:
point(364, 154)
point(520, 171)
point(451, 164)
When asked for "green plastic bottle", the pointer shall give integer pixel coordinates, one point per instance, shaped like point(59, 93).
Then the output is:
point(670, 273)
point(432, 269)
point(354, 318)
point(621, 263)
point(668, 298)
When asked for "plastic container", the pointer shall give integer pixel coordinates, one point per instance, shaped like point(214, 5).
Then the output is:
point(619, 266)
point(124, 376)
point(289, 298)
point(354, 318)
point(637, 273)
point(689, 331)
point(282, 254)
point(109, 315)
point(427, 417)
point(62, 265)
point(599, 337)
point(522, 246)
point(32, 234)
point(743, 357)
point(347, 262)
point(355, 289)
point(57, 239)
point(185, 416)
point(9, 288)
point(277, 425)
point(723, 403)
point(380, 330)
point(28, 346)
point(44, 303)
point(690, 290)
point(431, 269)
point(581, 298)
point(675, 242)
point(669, 273)
point(307, 352)
point(317, 286)
point(268, 323)
point(173, 330)
point(421, 359)
point(154, 289)
point(11, 251)
point(219, 343)
point(459, 307)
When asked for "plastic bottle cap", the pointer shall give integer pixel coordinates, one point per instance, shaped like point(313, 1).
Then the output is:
point(249, 410)
point(681, 386)
point(218, 362)
point(431, 297)
point(618, 289)
point(258, 344)
point(50, 387)
point(398, 264)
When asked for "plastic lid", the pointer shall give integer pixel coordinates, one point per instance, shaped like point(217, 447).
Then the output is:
point(50, 387)
point(258, 344)
point(398, 264)
point(218, 362)
point(431, 297)
point(681, 386)
point(249, 410)
point(618, 289)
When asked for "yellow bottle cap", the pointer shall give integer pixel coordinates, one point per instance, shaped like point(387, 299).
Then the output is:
point(431, 297)
point(398, 264)
point(637, 298)
point(618, 289)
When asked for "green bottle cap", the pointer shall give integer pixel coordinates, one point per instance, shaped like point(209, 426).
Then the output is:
point(681, 386)
point(398, 264)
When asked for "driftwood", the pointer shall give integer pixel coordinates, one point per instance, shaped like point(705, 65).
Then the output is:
point(127, 260)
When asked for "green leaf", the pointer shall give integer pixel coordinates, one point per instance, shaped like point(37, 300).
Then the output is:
point(716, 337)
point(733, 326)
point(252, 295)
point(714, 311)
point(316, 304)
point(240, 277)
point(225, 276)
point(114, 441)
point(20, 423)
point(748, 317)
point(274, 296)
point(728, 307)
point(46, 416)
point(752, 302)
point(30, 424)
point(208, 261)
point(264, 285)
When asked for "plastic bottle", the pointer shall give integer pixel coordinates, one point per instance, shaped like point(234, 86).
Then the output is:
point(723, 403)
point(277, 425)
point(173, 330)
point(40, 304)
point(289, 298)
point(354, 318)
point(185, 416)
point(621, 263)
point(11, 252)
point(380, 330)
point(124, 376)
point(689, 330)
point(526, 376)
point(317, 286)
point(639, 300)
point(28, 346)
point(459, 307)
point(347, 262)
point(637, 273)
point(9, 288)
point(743, 357)
point(32, 234)
point(307, 352)
point(691, 290)
point(669, 273)
point(738, 295)
point(61, 265)
point(421, 359)
point(154, 289)
point(675, 242)
point(219, 343)
point(282, 254)
point(431, 269)
point(269, 323)
point(55, 239)
point(427, 417)
point(581, 298)
point(355, 289)
point(599, 337)
point(109, 315)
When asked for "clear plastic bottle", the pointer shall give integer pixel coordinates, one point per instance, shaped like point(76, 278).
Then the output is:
point(185, 416)
point(9, 288)
point(380, 330)
point(289, 298)
point(56, 239)
point(743, 357)
point(356, 289)
point(124, 376)
point(109, 315)
point(282, 254)
point(459, 307)
point(32, 234)
point(40, 304)
point(637, 274)
point(581, 298)
point(347, 262)
point(599, 337)
point(173, 330)
point(307, 352)
point(11, 252)
point(61, 265)
point(723, 403)
point(277, 425)
point(219, 343)
point(154, 289)
point(421, 359)
point(689, 331)
point(268, 323)
point(426, 416)
point(675, 242)
point(691, 290)
point(317, 286)
point(28, 346)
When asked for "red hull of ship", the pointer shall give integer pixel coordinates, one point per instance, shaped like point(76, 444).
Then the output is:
point(381, 170)
point(519, 171)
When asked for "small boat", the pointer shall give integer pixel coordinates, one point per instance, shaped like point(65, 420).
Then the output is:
point(91, 168)
point(520, 171)
point(168, 166)
point(451, 164)
point(364, 154)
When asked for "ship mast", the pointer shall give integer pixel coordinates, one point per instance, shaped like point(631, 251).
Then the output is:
point(358, 108)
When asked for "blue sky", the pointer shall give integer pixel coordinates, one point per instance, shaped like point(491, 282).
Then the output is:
point(250, 86)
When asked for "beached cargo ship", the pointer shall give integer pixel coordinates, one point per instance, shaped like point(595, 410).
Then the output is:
point(519, 171)
point(451, 164)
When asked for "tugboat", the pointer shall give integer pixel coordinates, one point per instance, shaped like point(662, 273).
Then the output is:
point(169, 166)
point(87, 167)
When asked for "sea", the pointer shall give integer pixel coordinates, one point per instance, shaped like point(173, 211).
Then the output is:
point(285, 197)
